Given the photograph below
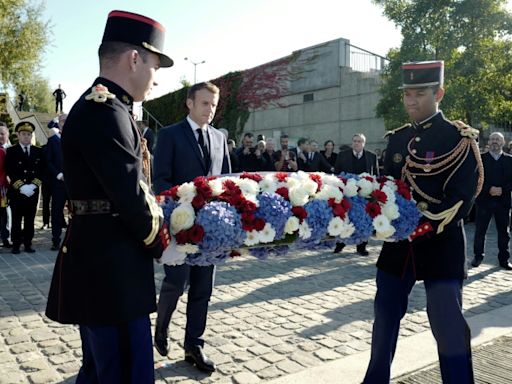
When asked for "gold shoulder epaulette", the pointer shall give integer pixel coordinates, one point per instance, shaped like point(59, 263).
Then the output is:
point(465, 130)
point(392, 132)
point(100, 94)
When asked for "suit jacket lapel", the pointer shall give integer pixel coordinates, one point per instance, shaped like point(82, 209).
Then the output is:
point(187, 131)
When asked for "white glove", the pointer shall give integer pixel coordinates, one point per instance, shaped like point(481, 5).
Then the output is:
point(60, 176)
point(26, 190)
point(32, 187)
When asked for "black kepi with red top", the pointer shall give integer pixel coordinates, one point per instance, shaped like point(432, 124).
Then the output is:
point(421, 74)
point(138, 30)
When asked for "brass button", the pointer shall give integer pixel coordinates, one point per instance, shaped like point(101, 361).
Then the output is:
point(417, 139)
point(64, 249)
point(413, 151)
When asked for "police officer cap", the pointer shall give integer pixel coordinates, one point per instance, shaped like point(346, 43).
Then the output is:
point(421, 74)
point(138, 30)
point(24, 126)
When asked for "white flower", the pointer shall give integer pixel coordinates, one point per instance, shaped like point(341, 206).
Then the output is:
point(365, 187)
point(182, 217)
point(390, 193)
point(391, 184)
point(252, 238)
point(267, 234)
point(309, 186)
point(335, 226)
point(347, 229)
point(216, 186)
point(383, 227)
point(186, 192)
point(187, 248)
point(298, 196)
point(268, 184)
point(292, 182)
point(350, 189)
point(329, 192)
point(304, 230)
point(248, 187)
point(390, 210)
point(332, 180)
point(292, 224)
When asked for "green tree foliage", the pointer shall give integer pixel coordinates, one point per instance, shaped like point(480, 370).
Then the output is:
point(38, 94)
point(473, 38)
point(23, 37)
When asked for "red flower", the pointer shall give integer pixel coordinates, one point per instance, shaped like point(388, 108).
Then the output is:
point(202, 187)
point(344, 179)
point(300, 212)
point(247, 206)
point(379, 196)
point(382, 179)
point(235, 254)
point(283, 191)
point(173, 192)
point(210, 178)
point(403, 189)
point(182, 237)
point(339, 211)
point(281, 176)
point(196, 234)
point(373, 209)
point(253, 176)
point(259, 224)
point(346, 204)
point(318, 180)
point(331, 202)
point(198, 202)
point(369, 178)
point(248, 221)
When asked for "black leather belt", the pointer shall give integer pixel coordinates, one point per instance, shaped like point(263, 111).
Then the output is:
point(91, 207)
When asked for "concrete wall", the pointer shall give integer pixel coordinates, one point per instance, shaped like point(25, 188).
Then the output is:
point(344, 101)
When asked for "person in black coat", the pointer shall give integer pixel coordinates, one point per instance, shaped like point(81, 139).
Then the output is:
point(328, 153)
point(250, 158)
point(24, 164)
point(494, 201)
point(356, 160)
point(103, 278)
point(184, 151)
point(439, 159)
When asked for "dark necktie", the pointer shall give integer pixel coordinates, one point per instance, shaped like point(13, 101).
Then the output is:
point(25, 149)
point(204, 149)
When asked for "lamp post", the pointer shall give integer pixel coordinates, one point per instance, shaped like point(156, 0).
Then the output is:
point(195, 66)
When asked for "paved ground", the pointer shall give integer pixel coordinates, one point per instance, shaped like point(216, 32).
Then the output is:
point(268, 320)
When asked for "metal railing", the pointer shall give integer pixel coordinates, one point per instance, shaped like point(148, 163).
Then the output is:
point(153, 122)
point(362, 60)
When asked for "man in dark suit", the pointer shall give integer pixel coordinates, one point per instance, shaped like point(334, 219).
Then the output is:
point(250, 158)
point(56, 178)
point(494, 201)
point(356, 160)
point(103, 278)
point(24, 165)
point(315, 161)
point(439, 160)
point(184, 151)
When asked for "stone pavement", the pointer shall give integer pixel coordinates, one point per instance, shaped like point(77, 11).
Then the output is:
point(268, 321)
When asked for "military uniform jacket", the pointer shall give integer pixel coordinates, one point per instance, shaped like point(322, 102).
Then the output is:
point(440, 161)
point(24, 170)
point(104, 271)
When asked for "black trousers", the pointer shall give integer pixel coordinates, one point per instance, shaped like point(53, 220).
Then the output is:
point(23, 208)
point(200, 282)
point(4, 232)
point(58, 203)
point(484, 213)
point(58, 103)
point(46, 195)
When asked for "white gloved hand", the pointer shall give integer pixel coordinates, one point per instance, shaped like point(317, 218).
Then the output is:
point(25, 190)
point(32, 187)
point(60, 176)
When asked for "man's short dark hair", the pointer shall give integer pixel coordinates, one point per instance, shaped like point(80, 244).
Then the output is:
point(109, 51)
point(284, 136)
point(191, 94)
point(301, 141)
point(329, 141)
point(249, 135)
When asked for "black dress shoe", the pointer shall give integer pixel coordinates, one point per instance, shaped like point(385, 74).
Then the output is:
point(195, 355)
point(6, 244)
point(506, 265)
point(363, 252)
point(476, 261)
point(161, 344)
point(339, 247)
point(29, 250)
point(55, 246)
point(15, 250)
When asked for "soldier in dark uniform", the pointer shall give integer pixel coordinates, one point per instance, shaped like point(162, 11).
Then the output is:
point(103, 278)
point(439, 159)
point(24, 165)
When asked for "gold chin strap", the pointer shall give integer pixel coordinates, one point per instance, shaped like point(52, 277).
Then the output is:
point(447, 216)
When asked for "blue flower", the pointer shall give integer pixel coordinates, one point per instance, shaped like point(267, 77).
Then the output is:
point(264, 252)
point(319, 216)
point(275, 210)
point(167, 207)
point(361, 220)
point(408, 220)
point(222, 228)
point(205, 259)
